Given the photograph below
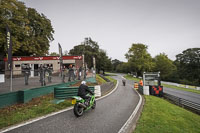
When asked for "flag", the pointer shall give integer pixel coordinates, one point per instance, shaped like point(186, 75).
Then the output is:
point(60, 50)
point(61, 61)
point(9, 47)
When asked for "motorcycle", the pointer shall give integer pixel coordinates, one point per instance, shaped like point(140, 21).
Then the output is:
point(124, 82)
point(80, 105)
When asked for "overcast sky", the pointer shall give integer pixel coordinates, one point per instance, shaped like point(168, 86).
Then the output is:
point(168, 26)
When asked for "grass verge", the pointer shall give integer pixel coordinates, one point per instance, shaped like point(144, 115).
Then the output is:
point(111, 79)
point(37, 107)
point(129, 77)
point(160, 116)
point(100, 80)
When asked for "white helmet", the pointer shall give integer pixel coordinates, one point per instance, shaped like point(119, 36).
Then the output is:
point(83, 82)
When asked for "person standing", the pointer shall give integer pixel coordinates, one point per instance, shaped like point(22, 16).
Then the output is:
point(41, 73)
point(49, 70)
point(141, 82)
point(74, 72)
point(27, 72)
point(71, 72)
point(79, 72)
point(64, 74)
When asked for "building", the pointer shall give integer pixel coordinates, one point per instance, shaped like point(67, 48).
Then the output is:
point(35, 62)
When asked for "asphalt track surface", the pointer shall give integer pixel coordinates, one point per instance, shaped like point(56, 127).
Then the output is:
point(109, 115)
point(193, 97)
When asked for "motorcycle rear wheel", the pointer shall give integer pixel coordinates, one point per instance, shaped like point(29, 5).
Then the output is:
point(78, 110)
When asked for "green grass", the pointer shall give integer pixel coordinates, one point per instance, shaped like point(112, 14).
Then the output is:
point(110, 74)
point(99, 79)
point(22, 112)
point(111, 79)
point(160, 116)
point(181, 88)
point(131, 78)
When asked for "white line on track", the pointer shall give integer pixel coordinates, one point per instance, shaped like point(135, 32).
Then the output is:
point(128, 122)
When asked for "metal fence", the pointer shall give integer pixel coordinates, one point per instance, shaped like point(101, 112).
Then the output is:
point(192, 106)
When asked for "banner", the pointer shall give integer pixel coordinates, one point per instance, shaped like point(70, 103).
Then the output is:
point(9, 47)
point(61, 60)
point(60, 50)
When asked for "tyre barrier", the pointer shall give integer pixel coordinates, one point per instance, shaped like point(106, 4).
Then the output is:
point(67, 92)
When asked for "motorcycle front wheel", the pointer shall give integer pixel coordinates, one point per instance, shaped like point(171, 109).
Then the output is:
point(78, 110)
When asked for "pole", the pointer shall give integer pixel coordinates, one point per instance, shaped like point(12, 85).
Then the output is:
point(94, 65)
point(11, 75)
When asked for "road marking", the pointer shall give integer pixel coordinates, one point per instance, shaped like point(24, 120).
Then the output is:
point(34, 120)
point(128, 122)
point(52, 114)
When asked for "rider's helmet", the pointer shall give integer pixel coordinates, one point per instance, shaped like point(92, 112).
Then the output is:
point(83, 82)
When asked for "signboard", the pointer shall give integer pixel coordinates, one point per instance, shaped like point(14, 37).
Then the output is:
point(44, 58)
point(150, 77)
point(2, 79)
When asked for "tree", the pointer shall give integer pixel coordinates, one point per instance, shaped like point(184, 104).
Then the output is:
point(139, 59)
point(54, 54)
point(91, 49)
point(188, 64)
point(164, 65)
point(31, 32)
point(115, 63)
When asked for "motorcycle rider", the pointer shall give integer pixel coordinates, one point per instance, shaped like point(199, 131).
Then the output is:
point(83, 90)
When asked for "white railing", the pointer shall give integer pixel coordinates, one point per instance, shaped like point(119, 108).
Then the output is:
point(181, 85)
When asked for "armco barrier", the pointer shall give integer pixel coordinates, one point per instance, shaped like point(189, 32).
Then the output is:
point(67, 92)
point(24, 96)
point(195, 107)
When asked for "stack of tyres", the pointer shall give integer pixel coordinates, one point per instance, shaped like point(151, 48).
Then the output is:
point(156, 90)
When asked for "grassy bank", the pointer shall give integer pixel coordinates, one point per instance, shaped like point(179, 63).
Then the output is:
point(111, 79)
point(99, 79)
point(37, 107)
point(160, 116)
point(129, 77)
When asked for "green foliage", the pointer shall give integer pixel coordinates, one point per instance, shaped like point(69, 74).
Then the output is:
point(54, 54)
point(160, 116)
point(188, 64)
point(123, 67)
point(31, 32)
point(164, 65)
point(91, 49)
point(115, 63)
point(139, 59)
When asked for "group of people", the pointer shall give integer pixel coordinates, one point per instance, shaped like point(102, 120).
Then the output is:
point(73, 73)
point(44, 71)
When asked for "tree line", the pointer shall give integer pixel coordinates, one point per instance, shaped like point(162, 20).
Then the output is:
point(185, 69)
point(31, 32)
